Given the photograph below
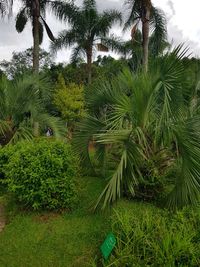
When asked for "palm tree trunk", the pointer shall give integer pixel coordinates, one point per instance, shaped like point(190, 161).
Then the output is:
point(89, 64)
point(145, 35)
point(36, 42)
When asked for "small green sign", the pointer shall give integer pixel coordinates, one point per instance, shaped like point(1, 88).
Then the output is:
point(108, 245)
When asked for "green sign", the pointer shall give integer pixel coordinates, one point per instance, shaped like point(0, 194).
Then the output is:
point(108, 245)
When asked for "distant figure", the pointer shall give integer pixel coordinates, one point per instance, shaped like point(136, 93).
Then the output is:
point(49, 132)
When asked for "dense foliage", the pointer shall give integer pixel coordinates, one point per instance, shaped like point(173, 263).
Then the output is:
point(21, 62)
point(69, 101)
point(23, 112)
point(5, 155)
point(134, 121)
point(150, 122)
point(42, 174)
point(147, 236)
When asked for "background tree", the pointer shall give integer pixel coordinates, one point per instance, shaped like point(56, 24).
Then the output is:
point(87, 27)
point(69, 101)
point(21, 62)
point(150, 17)
point(34, 11)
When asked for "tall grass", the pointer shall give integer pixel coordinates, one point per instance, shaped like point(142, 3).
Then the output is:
point(147, 236)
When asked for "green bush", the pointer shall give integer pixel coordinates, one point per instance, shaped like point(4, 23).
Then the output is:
point(42, 174)
point(5, 154)
point(147, 236)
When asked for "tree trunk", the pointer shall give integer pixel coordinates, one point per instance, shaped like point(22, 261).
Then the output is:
point(36, 42)
point(145, 35)
point(89, 64)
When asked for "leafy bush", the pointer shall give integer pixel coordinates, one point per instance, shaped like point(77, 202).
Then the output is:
point(5, 154)
point(147, 236)
point(42, 174)
point(69, 100)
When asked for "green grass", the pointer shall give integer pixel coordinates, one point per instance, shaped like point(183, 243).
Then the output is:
point(44, 239)
point(57, 240)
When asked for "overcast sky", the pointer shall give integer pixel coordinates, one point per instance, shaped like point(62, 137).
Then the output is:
point(183, 26)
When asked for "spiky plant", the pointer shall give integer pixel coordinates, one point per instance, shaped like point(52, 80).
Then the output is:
point(22, 112)
point(34, 11)
point(87, 26)
point(146, 117)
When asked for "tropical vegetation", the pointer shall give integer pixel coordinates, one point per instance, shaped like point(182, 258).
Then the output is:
point(103, 145)
point(153, 20)
point(22, 110)
point(152, 120)
point(35, 12)
point(88, 27)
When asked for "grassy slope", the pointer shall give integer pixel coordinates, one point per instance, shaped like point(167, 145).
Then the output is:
point(33, 240)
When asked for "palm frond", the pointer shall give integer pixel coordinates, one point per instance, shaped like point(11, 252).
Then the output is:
point(187, 177)
point(135, 14)
point(4, 127)
point(106, 20)
point(63, 10)
point(41, 32)
point(23, 132)
point(159, 32)
point(112, 42)
point(89, 4)
point(21, 20)
point(83, 137)
point(65, 39)
point(125, 175)
point(77, 53)
point(48, 30)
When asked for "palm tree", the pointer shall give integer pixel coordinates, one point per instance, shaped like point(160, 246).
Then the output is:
point(22, 108)
point(150, 124)
point(34, 10)
point(151, 17)
point(132, 49)
point(87, 27)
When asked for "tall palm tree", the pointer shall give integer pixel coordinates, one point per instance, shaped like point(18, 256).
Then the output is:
point(150, 17)
point(150, 123)
point(22, 104)
point(34, 10)
point(87, 27)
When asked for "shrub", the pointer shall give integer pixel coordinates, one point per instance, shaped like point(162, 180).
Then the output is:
point(5, 154)
point(42, 174)
point(147, 236)
point(69, 100)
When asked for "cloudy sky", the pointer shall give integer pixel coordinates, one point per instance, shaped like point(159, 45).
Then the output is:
point(183, 26)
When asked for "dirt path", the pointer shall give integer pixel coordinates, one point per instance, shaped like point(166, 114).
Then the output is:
point(2, 218)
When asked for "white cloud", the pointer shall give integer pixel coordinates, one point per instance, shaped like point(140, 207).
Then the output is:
point(183, 22)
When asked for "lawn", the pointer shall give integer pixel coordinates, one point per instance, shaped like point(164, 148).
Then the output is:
point(48, 239)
